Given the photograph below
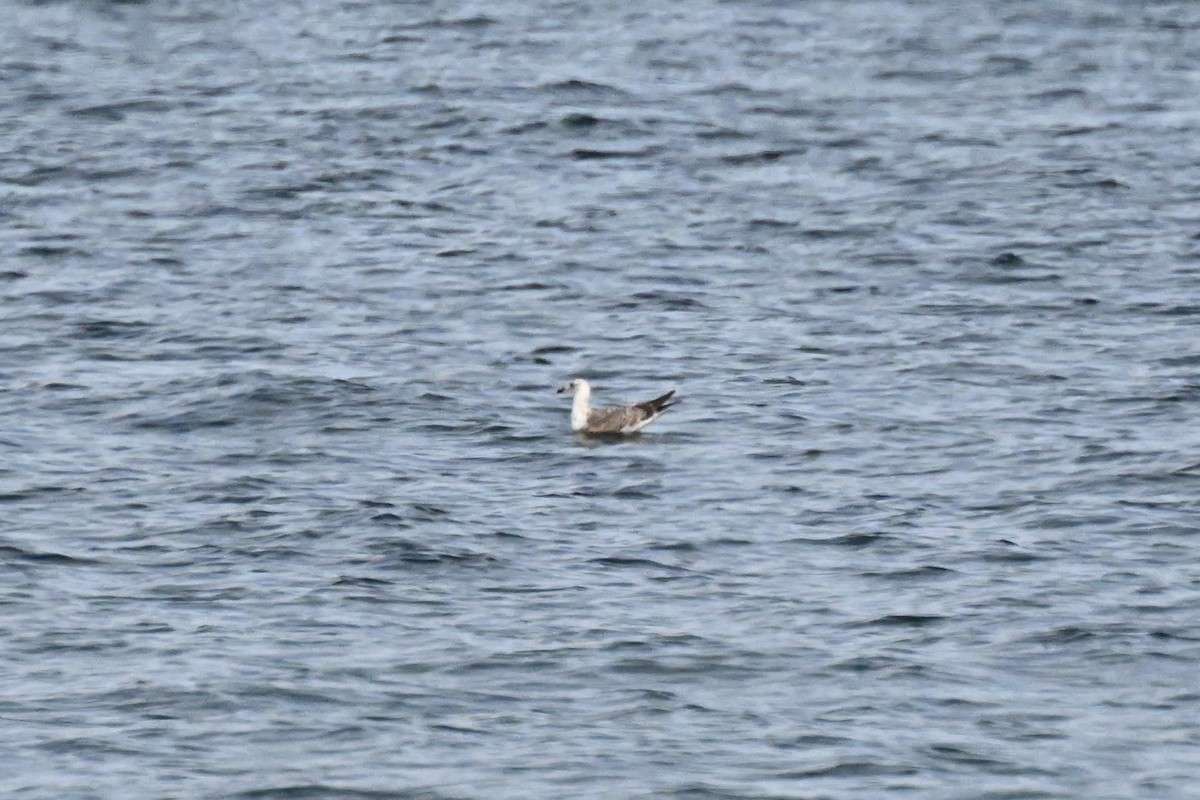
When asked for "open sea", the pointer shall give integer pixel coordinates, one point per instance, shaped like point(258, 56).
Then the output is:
point(289, 509)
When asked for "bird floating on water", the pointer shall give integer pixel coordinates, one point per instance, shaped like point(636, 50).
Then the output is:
point(615, 419)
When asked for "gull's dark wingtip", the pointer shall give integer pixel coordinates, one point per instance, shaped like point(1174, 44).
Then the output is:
point(661, 403)
point(664, 401)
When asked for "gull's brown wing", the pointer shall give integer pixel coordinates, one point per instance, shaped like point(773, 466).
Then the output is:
point(618, 419)
point(614, 419)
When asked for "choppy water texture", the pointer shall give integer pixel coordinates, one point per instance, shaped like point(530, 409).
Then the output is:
point(288, 508)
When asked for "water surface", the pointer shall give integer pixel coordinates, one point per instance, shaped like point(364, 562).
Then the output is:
point(289, 509)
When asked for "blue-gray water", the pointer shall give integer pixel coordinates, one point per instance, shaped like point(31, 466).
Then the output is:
point(288, 508)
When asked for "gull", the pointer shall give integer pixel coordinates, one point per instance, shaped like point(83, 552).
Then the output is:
point(616, 419)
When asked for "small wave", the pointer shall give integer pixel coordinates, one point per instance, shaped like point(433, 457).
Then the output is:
point(14, 553)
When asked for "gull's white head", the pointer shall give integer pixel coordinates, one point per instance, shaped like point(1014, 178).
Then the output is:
point(575, 385)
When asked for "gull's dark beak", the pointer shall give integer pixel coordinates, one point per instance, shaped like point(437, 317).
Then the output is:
point(561, 389)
